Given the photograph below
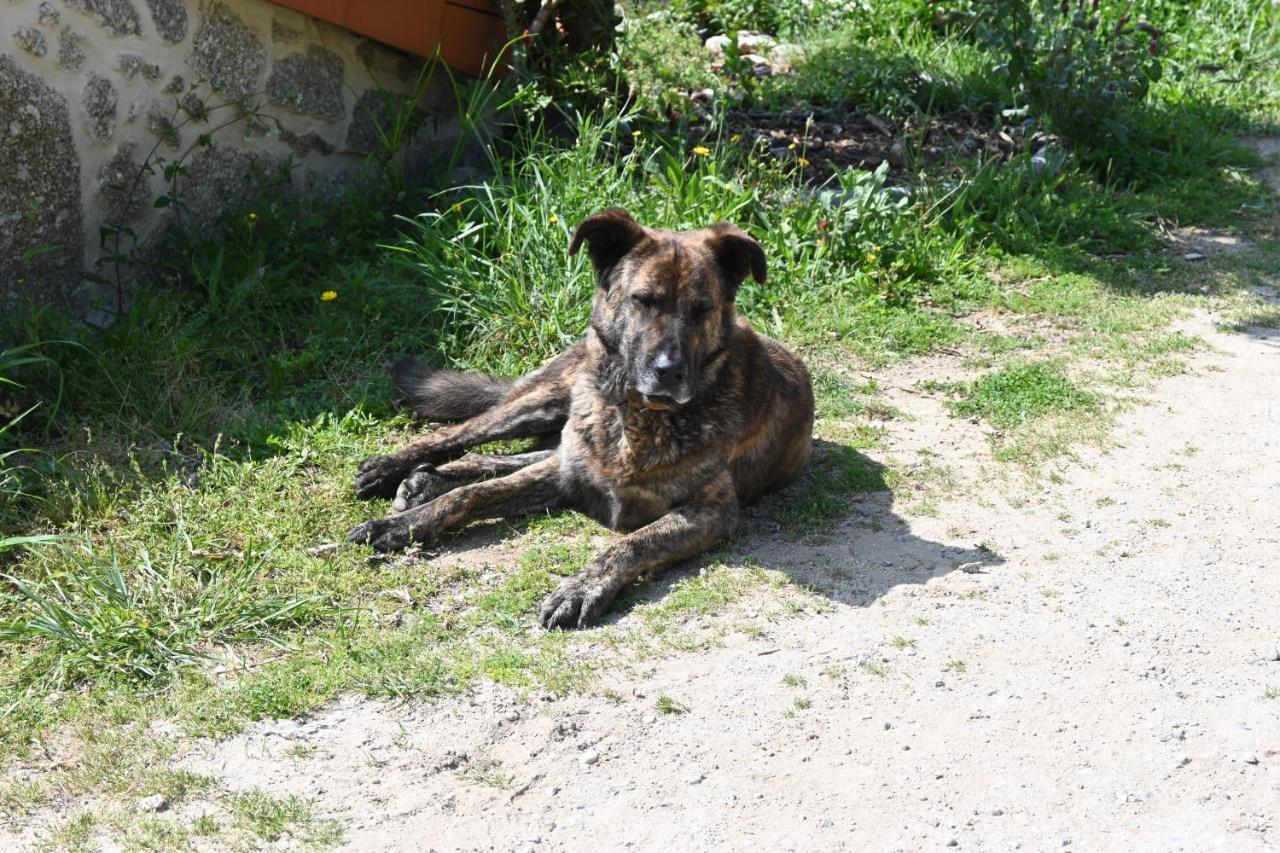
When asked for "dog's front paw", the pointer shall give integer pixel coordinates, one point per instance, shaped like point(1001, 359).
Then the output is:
point(382, 534)
point(378, 476)
point(578, 602)
point(424, 484)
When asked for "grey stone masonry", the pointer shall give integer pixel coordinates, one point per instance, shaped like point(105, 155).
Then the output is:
point(118, 17)
point(97, 96)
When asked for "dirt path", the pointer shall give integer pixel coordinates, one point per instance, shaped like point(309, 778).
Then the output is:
point(1100, 684)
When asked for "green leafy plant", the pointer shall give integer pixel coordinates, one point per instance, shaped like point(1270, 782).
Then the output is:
point(1079, 65)
point(116, 238)
point(788, 18)
point(11, 414)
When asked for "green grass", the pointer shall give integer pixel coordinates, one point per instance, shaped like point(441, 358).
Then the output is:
point(270, 818)
point(1022, 391)
point(96, 616)
point(200, 449)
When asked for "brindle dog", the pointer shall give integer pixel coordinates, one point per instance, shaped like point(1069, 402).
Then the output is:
point(668, 416)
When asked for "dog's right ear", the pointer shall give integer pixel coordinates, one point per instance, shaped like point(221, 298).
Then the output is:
point(610, 234)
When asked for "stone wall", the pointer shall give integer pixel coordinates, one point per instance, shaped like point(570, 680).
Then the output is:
point(89, 89)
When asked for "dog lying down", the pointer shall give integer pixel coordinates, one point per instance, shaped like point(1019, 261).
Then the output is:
point(667, 417)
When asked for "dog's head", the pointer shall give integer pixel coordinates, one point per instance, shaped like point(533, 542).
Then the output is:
point(664, 305)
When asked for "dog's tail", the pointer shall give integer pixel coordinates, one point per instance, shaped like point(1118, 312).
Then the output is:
point(450, 395)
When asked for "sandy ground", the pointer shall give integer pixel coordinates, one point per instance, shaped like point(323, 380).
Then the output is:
point(1097, 683)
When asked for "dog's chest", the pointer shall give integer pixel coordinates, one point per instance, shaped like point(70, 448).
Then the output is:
point(628, 469)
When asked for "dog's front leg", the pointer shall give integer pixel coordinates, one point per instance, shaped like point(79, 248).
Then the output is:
point(427, 482)
point(531, 489)
point(708, 517)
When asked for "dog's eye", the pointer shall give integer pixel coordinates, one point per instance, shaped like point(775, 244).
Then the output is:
point(645, 300)
point(701, 310)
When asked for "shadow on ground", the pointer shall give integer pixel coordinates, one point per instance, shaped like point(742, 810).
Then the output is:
point(856, 548)
point(853, 559)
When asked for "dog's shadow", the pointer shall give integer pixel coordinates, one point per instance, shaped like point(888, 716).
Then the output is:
point(833, 532)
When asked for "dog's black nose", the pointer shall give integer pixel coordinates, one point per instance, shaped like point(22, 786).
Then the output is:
point(669, 368)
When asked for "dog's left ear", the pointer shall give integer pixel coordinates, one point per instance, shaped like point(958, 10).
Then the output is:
point(738, 254)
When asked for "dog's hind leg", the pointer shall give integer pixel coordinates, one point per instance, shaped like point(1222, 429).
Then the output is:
point(533, 414)
point(537, 405)
point(428, 482)
point(531, 489)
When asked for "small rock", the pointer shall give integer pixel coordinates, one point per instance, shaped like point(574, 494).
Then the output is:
point(325, 549)
point(755, 41)
point(953, 843)
point(1249, 758)
point(153, 803)
point(1193, 256)
point(997, 812)
point(747, 42)
point(511, 716)
point(589, 757)
point(696, 779)
point(784, 55)
point(716, 44)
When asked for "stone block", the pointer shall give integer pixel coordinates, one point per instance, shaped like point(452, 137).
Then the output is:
point(131, 65)
point(310, 83)
point(101, 104)
point(41, 230)
point(226, 51)
point(70, 50)
point(169, 17)
point(118, 17)
point(31, 40)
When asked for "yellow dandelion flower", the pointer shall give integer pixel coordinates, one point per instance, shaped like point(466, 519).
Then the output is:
point(735, 137)
point(329, 296)
point(456, 207)
point(802, 161)
point(793, 146)
point(553, 219)
point(701, 150)
point(821, 242)
point(635, 134)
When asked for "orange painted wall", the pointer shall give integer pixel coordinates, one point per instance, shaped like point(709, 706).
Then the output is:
point(469, 33)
